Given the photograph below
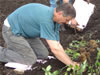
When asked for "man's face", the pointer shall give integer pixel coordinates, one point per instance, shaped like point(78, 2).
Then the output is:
point(64, 20)
point(61, 19)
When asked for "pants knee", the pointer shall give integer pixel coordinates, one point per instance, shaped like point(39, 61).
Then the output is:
point(31, 60)
point(43, 55)
point(46, 55)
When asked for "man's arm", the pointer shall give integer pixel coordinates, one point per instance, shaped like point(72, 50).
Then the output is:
point(59, 52)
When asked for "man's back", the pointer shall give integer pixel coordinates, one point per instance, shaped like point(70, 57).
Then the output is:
point(28, 18)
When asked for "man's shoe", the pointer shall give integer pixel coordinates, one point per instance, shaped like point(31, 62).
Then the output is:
point(18, 68)
point(19, 71)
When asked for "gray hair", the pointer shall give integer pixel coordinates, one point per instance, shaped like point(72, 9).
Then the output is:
point(67, 9)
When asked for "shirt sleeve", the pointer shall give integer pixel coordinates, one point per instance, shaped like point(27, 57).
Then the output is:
point(48, 31)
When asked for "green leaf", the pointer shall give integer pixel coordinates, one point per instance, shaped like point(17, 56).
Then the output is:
point(66, 73)
point(43, 69)
point(98, 64)
point(76, 55)
point(76, 67)
point(48, 68)
point(56, 72)
point(69, 69)
point(49, 73)
point(83, 66)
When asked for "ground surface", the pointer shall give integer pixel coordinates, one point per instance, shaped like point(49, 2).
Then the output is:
point(91, 32)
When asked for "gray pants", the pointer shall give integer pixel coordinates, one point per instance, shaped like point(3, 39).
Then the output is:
point(20, 49)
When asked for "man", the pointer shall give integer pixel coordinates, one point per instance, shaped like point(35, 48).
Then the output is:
point(23, 29)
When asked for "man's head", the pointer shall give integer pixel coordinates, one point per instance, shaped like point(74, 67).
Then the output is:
point(64, 13)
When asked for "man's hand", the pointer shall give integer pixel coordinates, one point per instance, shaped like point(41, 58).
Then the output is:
point(73, 24)
point(75, 63)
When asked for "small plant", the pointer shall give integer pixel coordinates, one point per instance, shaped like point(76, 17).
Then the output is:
point(74, 48)
point(77, 70)
point(72, 53)
point(80, 50)
point(77, 44)
point(97, 63)
point(98, 41)
point(48, 71)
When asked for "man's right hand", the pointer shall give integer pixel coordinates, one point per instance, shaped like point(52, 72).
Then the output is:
point(75, 63)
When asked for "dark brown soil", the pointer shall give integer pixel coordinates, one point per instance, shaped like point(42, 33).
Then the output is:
point(91, 32)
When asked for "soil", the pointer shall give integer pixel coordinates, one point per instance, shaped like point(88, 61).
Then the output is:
point(90, 32)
